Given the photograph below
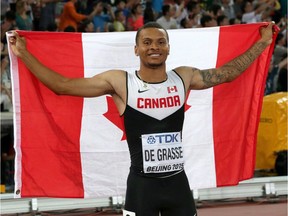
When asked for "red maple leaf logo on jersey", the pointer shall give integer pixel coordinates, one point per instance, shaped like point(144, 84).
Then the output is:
point(113, 116)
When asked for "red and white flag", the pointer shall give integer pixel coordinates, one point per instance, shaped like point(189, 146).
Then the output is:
point(76, 147)
point(172, 89)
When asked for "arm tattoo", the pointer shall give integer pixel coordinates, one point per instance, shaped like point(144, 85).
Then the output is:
point(242, 62)
point(232, 69)
point(211, 77)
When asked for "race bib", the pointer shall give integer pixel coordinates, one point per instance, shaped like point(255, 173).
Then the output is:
point(162, 152)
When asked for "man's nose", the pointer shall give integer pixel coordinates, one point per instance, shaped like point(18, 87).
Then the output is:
point(154, 46)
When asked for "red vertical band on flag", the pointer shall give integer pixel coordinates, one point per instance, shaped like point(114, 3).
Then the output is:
point(237, 107)
point(51, 124)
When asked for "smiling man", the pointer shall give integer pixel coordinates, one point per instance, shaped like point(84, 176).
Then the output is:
point(152, 102)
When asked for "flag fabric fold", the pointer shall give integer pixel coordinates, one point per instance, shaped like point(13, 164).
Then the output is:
point(76, 147)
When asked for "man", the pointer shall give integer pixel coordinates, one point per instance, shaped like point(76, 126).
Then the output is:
point(47, 14)
point(101, 20)
point(70, 16)
point(141, 98)
point(167, 19)
point(207, 21)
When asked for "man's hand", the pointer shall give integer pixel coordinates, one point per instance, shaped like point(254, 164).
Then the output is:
point(17, 43)
point(267, 32)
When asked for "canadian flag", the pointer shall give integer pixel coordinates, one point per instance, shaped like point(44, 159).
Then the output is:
point(172, 89)
point(76, 147)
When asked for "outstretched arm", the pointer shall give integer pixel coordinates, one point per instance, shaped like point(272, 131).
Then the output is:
point(86, 87)
point(202, 79)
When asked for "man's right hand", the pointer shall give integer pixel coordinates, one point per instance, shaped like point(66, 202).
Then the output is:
point(17, 44)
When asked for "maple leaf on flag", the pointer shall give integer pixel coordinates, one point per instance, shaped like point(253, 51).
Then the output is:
point(186, 105)
point(113, 116)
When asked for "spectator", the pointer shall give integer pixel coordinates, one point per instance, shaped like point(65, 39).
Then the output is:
point(130, 4)
point(23, 21)
point(119, 22)
point(180, 11)
point(70, 17)
point(234, 21)
point(101, 20)
point(47, 14)
point(282, 24)
point(194, 12)
point(167, 19)
point(86, 26)
point(149, 14)
point(280, 47)
point(207, 21)
point(121, 5)
point(214, 11)
point(35, 7)
point(237, 6)
point(274, 81)
point(136, 20)
point(222, 20)
point(186, 23)
point(81, 6)
point(228, 9)
point(253, 15)
point(9, 23)
point(6, 95)
point(157, 7)
point(5, 6)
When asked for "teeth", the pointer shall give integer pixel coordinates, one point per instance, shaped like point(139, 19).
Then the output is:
point(154, 55)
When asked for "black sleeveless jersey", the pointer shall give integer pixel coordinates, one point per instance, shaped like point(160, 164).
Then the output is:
point(153, 121)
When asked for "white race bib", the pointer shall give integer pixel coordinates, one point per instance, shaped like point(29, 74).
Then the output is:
point(162, 152)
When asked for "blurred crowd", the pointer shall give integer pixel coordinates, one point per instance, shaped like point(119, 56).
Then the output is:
point(130, 15)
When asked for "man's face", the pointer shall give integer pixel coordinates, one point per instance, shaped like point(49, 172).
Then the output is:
point(152, 47)
point(211, 23)
point(248, 7)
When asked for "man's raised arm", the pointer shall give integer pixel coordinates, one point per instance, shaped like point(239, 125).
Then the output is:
point(202, 79)
point(87, 87)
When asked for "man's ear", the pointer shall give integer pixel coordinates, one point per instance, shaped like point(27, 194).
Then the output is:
point(136, 50)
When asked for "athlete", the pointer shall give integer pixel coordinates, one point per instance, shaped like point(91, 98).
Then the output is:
point(157, 182)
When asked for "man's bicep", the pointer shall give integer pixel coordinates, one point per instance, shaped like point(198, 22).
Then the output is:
point(197, 78)
point(102, 84)
point(203, 79)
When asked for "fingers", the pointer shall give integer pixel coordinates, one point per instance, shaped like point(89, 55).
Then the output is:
point(275, 27)
point(270, 27)
point(13, 36)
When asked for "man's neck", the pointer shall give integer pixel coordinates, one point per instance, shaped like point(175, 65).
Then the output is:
point(168, 18)
point(152, 74)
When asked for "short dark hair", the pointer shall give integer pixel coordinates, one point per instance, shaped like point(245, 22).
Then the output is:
point(10, 15)
point(204, 19)
point(150, 25)
point(165, 9)
point(220, 19)
point(214, 8)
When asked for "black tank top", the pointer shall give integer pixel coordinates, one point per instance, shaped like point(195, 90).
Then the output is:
point(153, 121)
